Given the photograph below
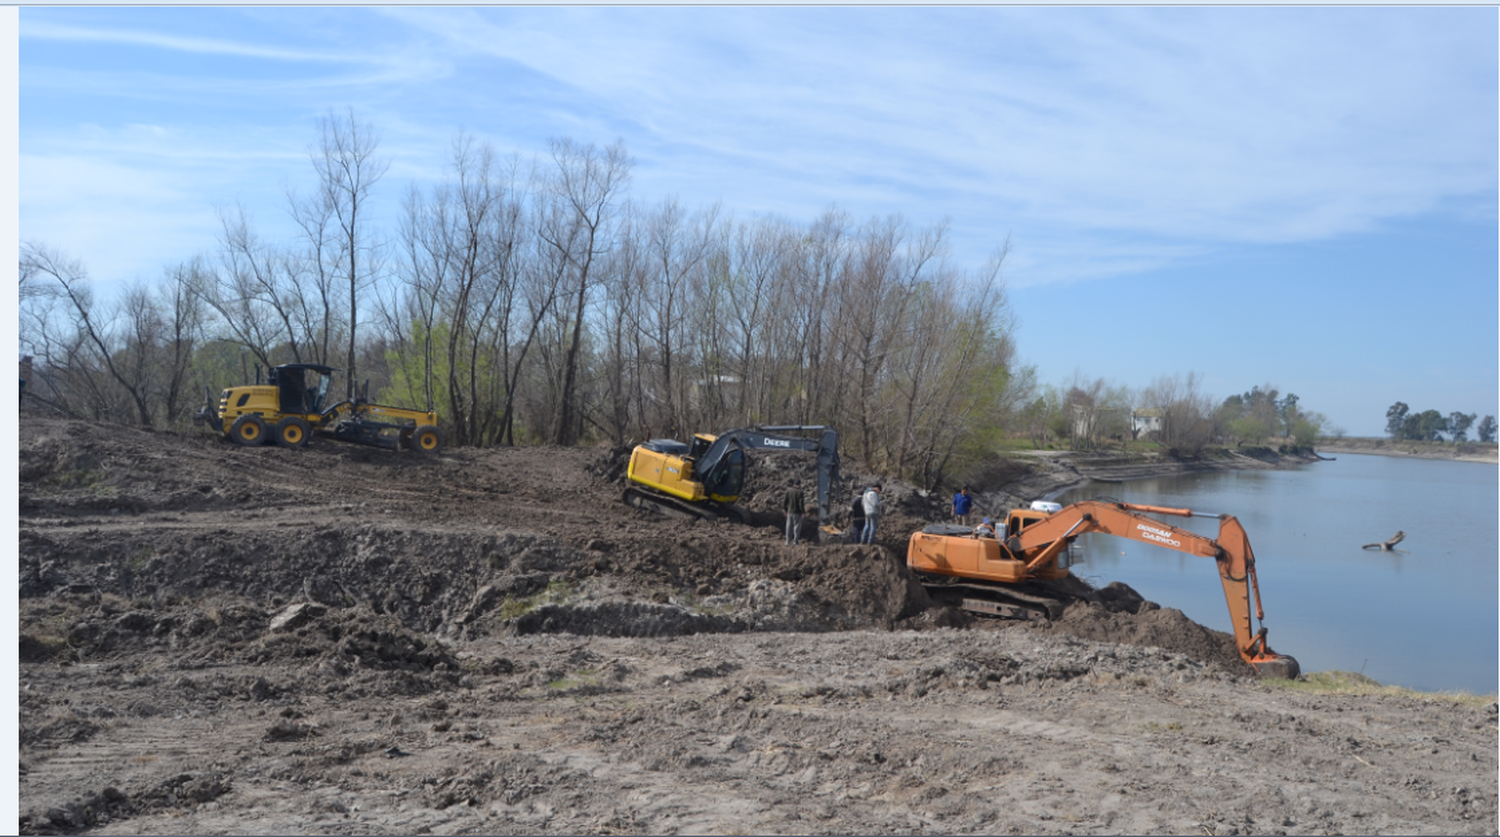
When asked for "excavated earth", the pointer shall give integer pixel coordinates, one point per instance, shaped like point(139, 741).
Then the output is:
point(345, 640)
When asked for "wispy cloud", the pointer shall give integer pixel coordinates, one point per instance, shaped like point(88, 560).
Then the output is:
point(42, 30)
point(1082, 132)
point(1234, 125)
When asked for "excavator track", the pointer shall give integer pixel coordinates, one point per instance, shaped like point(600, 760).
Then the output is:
point(672, 507)
point(1004, 601)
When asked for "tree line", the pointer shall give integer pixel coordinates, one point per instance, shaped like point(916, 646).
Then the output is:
point(537, 301)
point(1430, 425)
point(1173, 410)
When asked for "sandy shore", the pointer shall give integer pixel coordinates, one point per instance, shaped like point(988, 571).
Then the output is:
point(1468, 452)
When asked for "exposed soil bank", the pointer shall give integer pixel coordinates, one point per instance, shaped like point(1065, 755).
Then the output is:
point(1043, 475)
point(217, 639)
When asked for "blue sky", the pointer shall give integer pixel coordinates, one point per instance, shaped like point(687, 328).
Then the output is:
point(1301, 196)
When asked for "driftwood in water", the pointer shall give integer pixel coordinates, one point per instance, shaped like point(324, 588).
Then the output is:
point(1387, 545)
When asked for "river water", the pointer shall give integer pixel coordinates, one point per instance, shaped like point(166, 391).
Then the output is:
point(1427, 617)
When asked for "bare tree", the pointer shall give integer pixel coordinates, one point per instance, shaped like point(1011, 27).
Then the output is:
point(182, 333)
point(814, 297)
point(582, 189)
point(1081, 406)
point(954, 372)
point(347, 173)
point(315, 268)
point(1185, 424)
point(676, 248)
point(757, 271)
point(94, 345)
point(624, 394)
point(252, 291)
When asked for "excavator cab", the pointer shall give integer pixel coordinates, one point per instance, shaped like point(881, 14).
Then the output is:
point(700, 445)
point(728, 479)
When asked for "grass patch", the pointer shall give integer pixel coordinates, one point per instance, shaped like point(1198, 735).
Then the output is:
point(64, 479)
point(43, 647)
point(1354, 683)
point(716, 610)
point(555, 593)
point(577, 679)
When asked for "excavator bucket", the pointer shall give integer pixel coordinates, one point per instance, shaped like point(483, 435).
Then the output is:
point(1281, 667)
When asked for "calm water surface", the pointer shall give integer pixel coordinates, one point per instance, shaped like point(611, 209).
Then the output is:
point(1427, 618)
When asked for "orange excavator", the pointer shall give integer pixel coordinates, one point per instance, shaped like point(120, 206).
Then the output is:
point(1019, 572)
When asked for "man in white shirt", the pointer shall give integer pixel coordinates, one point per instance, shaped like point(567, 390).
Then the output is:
point(872, 513)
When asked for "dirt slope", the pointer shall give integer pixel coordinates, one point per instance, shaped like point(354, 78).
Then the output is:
point(347, 640)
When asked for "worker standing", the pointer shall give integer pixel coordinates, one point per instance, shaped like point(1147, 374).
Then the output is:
point(794, 505)
point(962, 505)
point(872, 513)
point(857, 519)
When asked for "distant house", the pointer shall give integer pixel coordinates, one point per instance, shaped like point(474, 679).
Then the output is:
point(1145, 421)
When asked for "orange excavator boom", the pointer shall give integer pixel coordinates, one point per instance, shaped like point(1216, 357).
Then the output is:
point(1042, 540)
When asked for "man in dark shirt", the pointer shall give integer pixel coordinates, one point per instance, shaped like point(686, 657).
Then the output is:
point(794, 506)
point(963, 504)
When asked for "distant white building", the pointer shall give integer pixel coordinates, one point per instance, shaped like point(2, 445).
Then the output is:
point(1145, 420)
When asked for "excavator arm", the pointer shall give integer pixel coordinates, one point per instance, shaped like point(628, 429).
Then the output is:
point(1043, 540)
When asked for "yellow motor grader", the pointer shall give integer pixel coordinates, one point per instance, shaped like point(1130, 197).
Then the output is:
point(288, 409)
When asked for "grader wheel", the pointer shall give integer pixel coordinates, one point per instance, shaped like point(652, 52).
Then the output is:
point(427, 439)
point(248, 430)
point(292, 432)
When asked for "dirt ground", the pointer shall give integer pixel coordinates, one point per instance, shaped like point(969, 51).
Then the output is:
point(344, 640)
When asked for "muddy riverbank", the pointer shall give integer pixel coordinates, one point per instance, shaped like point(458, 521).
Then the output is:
point(1043, 475)
point(333, 640)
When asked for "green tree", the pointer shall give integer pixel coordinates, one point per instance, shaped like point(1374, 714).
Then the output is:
point(1395, 420)
point(1307, 427)
point(1487, 429)
point(1459, 424)
point(1286, 408)
point(1426, 426)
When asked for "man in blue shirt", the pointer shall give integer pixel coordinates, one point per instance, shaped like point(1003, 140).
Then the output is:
point(962, 505)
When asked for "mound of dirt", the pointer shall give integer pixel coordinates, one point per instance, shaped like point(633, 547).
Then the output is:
point(1165, 628)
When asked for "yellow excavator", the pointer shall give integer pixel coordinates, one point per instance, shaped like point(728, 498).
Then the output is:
point(1008, 575)
point(704, 478)
point(289, 408)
